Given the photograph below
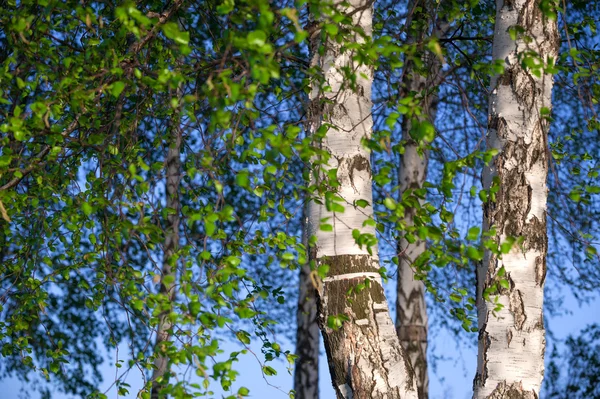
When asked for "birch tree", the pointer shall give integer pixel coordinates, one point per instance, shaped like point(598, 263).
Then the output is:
point(418, 82)
point(511, 281)
point(171, 244)
point(364, 354)
point(306, 373)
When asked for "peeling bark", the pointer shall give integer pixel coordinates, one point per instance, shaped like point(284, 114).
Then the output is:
point(163, 331)
point(365, 357)
point(411, 311)
point(512, 341)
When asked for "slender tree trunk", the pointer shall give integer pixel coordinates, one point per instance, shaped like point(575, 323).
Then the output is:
point(411, 311)
point(364, 354)
point(167, 287)
point(306, 373)
point(512, 340)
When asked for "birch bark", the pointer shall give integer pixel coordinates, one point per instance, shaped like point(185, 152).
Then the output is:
point(512, 341)
point(306, 373)
point(163, 331)
point(364, 354)
point(411, 311)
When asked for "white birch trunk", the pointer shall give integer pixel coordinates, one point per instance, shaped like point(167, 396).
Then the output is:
point(512, 341)
point(365, 357)
point(411, 311)
point(173, 178)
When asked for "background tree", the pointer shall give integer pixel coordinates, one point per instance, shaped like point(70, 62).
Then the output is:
point(573, 372)
point(420, 78)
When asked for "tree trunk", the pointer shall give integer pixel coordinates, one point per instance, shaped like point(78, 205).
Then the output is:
point(512, 340)
point(364, 354)
point(163, 331)
point(306, 373)
point(411, 311)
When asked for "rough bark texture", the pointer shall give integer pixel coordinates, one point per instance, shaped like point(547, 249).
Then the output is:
point(365, 357)
point(163, 331)
point(411, 311)
point(512, 341)
point(306, 373)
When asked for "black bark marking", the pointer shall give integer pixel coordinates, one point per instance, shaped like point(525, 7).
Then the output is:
point(509, 4)
point(517, 308)
point(342, 264)
point(484, 342)
point(540, 270)
point(358, 163)
point(511, 391)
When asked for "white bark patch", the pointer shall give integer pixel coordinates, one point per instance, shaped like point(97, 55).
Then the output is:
point(520, 357)
point(516, 340)
point(374, 277)
point(536, 178)
point(350, 116)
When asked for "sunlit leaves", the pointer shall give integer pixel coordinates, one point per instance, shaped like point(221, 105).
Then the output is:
point(117, 88)
point(171, 30)
point(257, 38)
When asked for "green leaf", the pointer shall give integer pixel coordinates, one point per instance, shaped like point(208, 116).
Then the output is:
point(473, 233)
point(390, 203)
point(226, 7)
point(326, 227)
point(474, 253)
point(483, 196)
point(168, 280)
point(117, 88)
point(361, 203)
point(455, 297)
point(257, 38)
point(322, 271)
point(87, 208)
point(210, 228)
point(575, 195)
point(434, 233)
point(171, 30)
point(593, 189)
point(422, 131)
point(501, 272)
point(268, 370)
point(338, 208)
point(332, 29)
point(137, 304)
point(506, 246)
point(243, 336)
point(54, 367)
point(194, 308)
point(241, 178)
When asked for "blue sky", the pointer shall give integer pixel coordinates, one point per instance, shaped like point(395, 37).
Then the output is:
point(450, 379)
